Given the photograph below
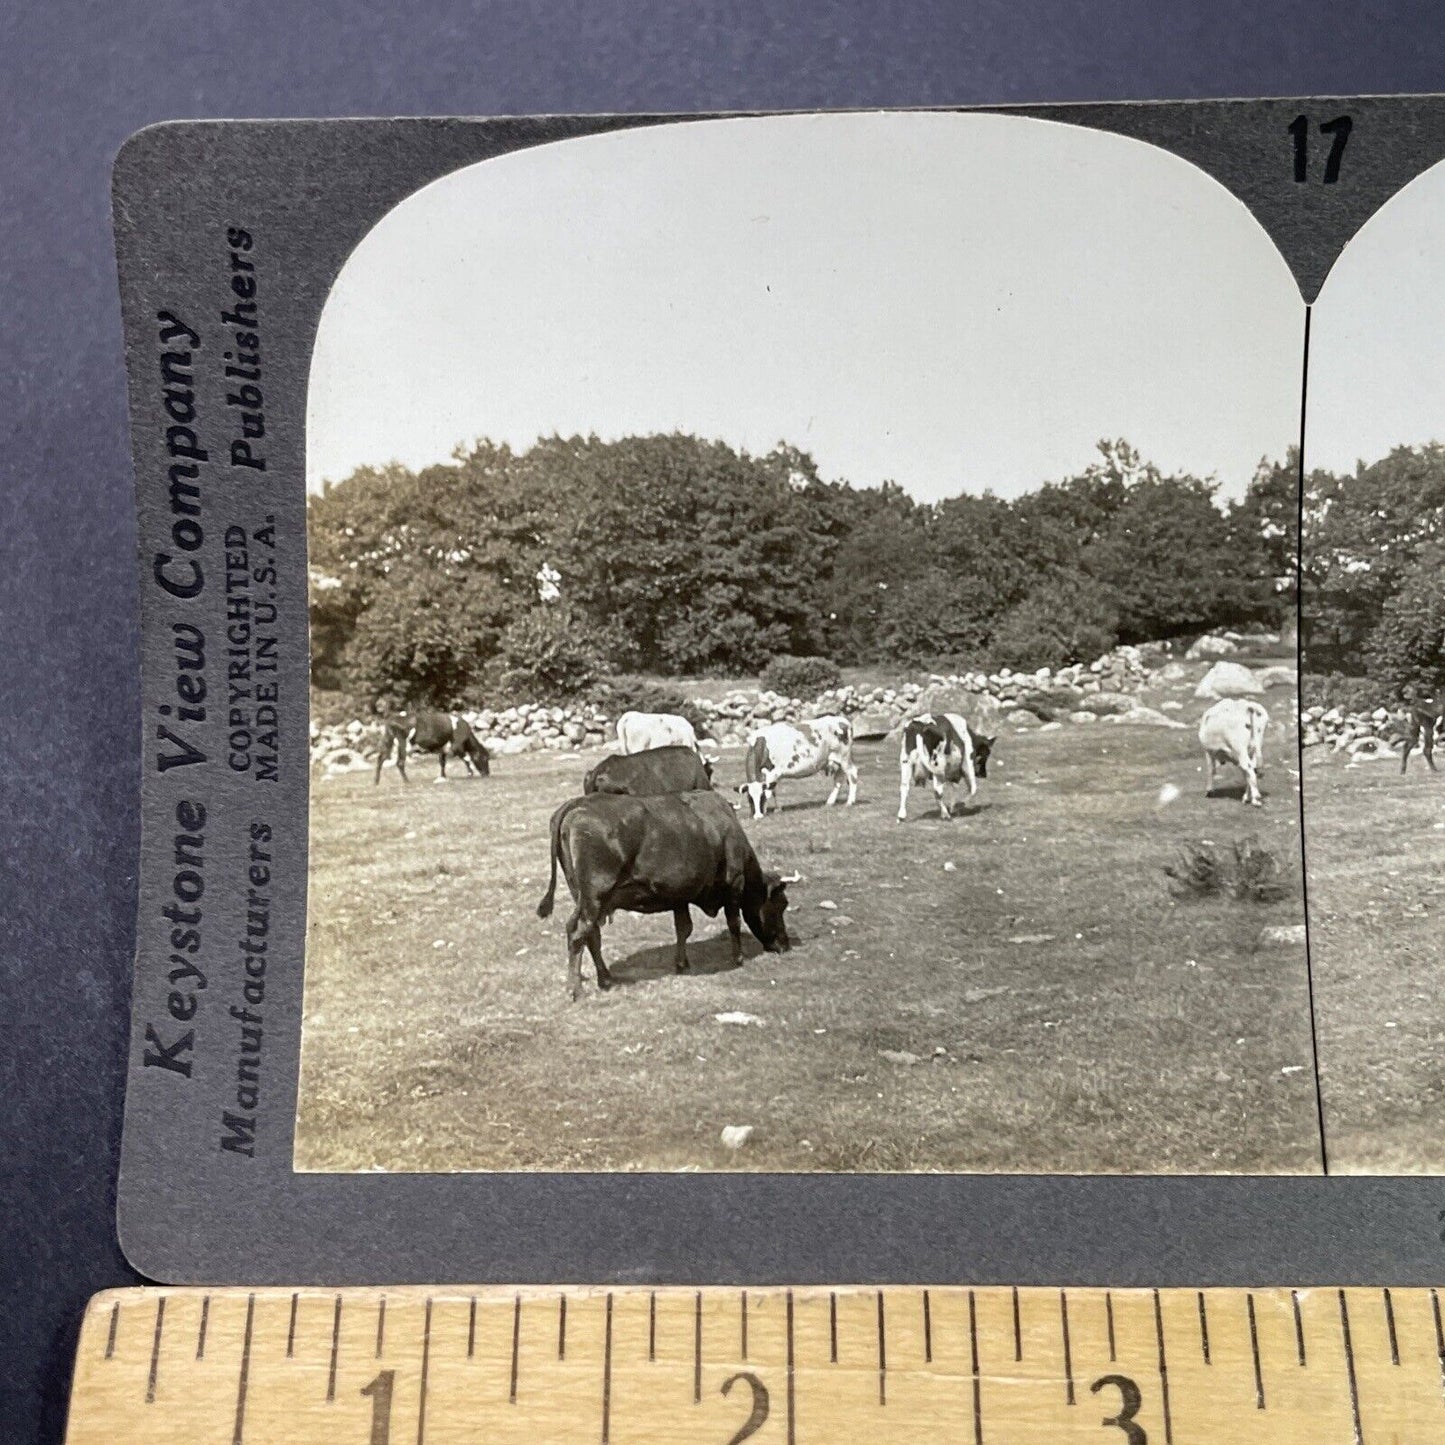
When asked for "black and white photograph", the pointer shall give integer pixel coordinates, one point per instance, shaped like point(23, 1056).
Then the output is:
point(1373, 691)
point(804, 663)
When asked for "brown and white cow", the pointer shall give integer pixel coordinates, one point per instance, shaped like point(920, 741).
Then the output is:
point(1425, 719)
point(941, 748)
point(1232, 731)
point(824, 745)
point(441, 733)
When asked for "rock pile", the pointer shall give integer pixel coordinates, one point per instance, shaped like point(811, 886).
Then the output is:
point(1365, 736)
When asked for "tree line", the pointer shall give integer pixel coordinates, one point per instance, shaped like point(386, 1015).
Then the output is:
point(537, 572)
point(1374, 556)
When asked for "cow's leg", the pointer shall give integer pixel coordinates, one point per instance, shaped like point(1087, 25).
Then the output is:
point(735, 930)
point(905, 777)
point(578, 933)
point(1251, 783)
point(1411, 739)
point(1213, 766)
point(382, 756)
point(682, 922)
point(836, 774)
point(441, 776)
point(1427, 743)
point(401, 746)
point(850, 771)
point(943, 810)
point(594, 947)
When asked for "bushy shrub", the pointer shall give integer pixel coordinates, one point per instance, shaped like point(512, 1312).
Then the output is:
point(1067, 619)
point(1407, 647)
point(623, 693)
point(1338, 689)
point(547, 655)
point(802, 677)
point(1248, 872)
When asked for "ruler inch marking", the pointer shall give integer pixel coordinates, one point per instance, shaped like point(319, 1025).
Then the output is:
point(201, 1332)
point(425, 1373)
point(1439, 1339)
point(744, 1327)
point(792, 1398)
point(1350, 1368)
point(291, 1327)
point(1018, 1329)
point(1109, 1324)
point(380, 1326)
point(833, 1330)
point(1068, 1348)
point(335, 1352)
point(607, 1375)
point(882, 1354)
point(1203, 1329)
point(927, 1330)
point(561, 1327)
point(1390, 1327)
point(652, 1325)
point(243, 1379)
point(697, 1349)
point(115, 1325)
point(1163, 1370)
point(156, 1350)
point(1299, 1327)
point(516, 1347)
point(977, 1383)
point(472, 1328)
point(1254, 1353)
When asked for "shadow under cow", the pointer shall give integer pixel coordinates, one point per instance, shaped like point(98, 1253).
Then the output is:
point(705, 956)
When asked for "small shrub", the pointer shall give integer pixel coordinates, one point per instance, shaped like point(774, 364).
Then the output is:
point(1338, 689)
point(1256, 873)
point(625, 693)
point(801, 677)
point(1247, 872)
point(1197, 870)
point(546, 655)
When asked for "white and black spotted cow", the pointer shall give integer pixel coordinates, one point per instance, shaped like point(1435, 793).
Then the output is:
point(433, 732)
point(939, 747)
point(781, 750)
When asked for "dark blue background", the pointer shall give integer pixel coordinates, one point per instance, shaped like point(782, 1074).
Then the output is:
point(75, 80)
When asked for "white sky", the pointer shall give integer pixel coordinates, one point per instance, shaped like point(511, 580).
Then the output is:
point(1377, 335)
point(953, 302)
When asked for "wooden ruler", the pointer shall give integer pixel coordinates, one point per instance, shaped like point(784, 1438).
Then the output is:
point(412, 1366)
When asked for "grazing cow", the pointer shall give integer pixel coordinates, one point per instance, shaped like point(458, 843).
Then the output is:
point(433, 732)
point(781, 750)
point(1232, 731)
point(637, 732)
point(659, 855)
point(940, 747)
point(1427, 717)
point(646, 774)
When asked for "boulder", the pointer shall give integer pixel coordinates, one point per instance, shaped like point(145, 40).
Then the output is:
point(1276, 675)
point(1228, 679)
point(1173, 672)
point(1211, 645)
point(875, 723)
point(1370, 750)
point(979, 709)
point(1146, 717)
point(1082, 716)
point(1021, 717)
point(1110, 702)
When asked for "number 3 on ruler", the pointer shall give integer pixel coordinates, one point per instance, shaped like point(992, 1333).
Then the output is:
point(1130, 1401)
point(1339, 129)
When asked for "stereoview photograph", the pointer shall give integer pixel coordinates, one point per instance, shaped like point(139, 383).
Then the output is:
point(804, 663)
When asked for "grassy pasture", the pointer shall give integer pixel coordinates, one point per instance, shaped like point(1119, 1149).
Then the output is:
point(1065, 1013)
point(1376, 849)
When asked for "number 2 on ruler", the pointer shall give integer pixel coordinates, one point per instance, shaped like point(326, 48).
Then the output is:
point(1338, 129)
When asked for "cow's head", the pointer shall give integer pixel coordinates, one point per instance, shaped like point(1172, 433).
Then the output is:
point(982, 747)
point(759, 795)
point(708, 764)
point(479, 757)
point(764, 914)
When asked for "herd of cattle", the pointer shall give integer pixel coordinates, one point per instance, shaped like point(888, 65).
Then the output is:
point(650, 834)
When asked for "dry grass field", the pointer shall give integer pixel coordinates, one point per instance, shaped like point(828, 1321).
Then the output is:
point(1012, 990)
point(1376, 849)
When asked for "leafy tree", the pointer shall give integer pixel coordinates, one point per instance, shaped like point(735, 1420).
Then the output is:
point(1065, 619)
point(548, 655)
point(1407, 646)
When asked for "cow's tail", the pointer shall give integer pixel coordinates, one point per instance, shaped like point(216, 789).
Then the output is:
point(544, 908)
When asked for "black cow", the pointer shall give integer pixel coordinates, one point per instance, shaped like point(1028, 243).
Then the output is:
point(649, 773)
point(1426, 716)
point(433, 732)
point(660, 854)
